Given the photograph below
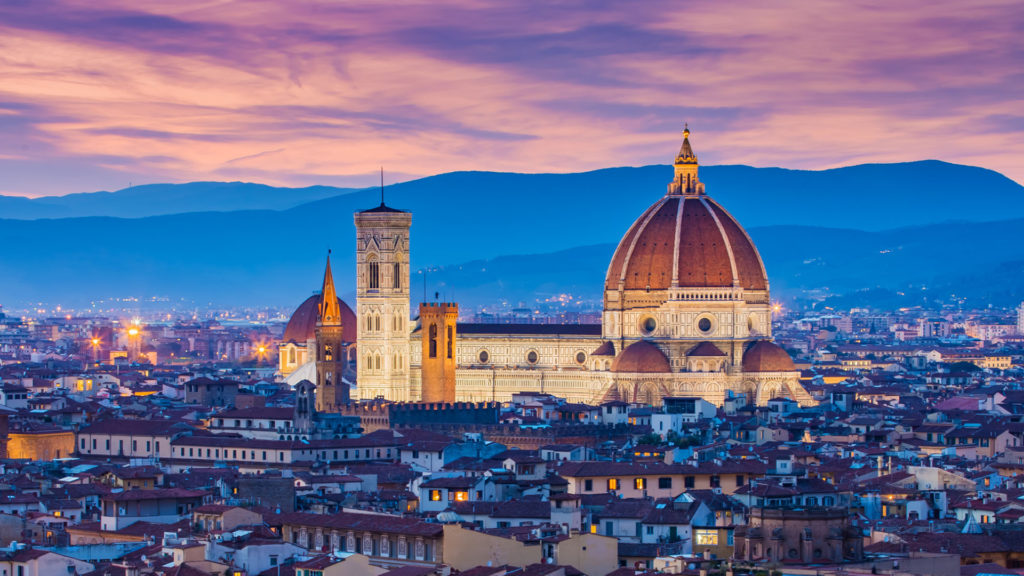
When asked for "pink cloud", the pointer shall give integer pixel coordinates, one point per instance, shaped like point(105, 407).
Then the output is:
point(324, 92)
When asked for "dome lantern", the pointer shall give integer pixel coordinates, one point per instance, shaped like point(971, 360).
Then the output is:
point(686, 166)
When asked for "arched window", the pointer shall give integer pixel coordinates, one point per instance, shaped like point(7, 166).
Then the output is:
point(377, 362)
point(374, 272)
point(433, 340)
point(450, 341)
point(397, 272)
point(376, 323)
point(291, 355)
point(328, 353)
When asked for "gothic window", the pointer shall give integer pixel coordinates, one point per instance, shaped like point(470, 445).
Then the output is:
point(433, 340)
point(377, 362)
point(376, 323)
point(374, 269)
point(291, 355)
point(450, 341)
point(328, 353)
point(397, 276)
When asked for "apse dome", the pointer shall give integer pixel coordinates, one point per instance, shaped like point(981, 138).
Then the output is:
point(765, 356)
point(641, 356)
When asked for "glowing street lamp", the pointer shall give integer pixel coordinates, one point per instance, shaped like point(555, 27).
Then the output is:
point(96, 350)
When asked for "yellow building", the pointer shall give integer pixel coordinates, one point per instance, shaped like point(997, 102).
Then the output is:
point(40, 444)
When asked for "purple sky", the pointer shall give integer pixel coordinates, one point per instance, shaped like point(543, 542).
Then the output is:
point(96, 94)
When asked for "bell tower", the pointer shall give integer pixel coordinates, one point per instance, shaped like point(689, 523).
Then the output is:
point(437, 324)
point(382, 302)
point(330, 348)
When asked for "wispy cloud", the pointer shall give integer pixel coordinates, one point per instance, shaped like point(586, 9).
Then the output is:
point(98, 92)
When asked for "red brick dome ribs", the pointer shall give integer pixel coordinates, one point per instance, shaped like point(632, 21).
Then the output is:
point(302, 325)
point(686, 242)
point(641, 356)
point(766, 356)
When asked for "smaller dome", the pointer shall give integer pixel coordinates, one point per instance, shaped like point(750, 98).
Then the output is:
point(705, 349)
point(642, 356)
point(605, 349)
point(302, 325)
point(766, 356)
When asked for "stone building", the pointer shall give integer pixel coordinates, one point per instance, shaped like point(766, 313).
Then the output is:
point(687, 312)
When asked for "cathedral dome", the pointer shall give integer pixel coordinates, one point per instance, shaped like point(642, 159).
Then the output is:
point(686, 240)
point(766, 356)
point(302, 325)
point(641, 356)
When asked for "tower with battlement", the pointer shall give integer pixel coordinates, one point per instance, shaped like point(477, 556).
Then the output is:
point(437, 331)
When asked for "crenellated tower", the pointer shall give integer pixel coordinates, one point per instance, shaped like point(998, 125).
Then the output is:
point(382, 302)
point(438, 322)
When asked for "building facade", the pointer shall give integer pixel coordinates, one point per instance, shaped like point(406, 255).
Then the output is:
point(687, 312)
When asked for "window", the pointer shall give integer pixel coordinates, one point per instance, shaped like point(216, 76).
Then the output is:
point(716, 481)
point(588, 485)
point(397, 273)
point(483, 356)
point(648, 325)
point(581, 357)
point(435, 495)
point(740, 480)
point(703, 537)
point(374, 280)
point(451, 341)
point(613, 483)
point(650, 530)
point(704, 325)
point(665, 483)
point(433, 341)
point(640, 483)
point(688, 482)
point(532, 357)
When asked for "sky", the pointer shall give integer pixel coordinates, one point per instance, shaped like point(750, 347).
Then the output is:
point(98, 94)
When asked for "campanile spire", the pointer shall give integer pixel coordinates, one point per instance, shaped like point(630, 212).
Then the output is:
point(329, 310)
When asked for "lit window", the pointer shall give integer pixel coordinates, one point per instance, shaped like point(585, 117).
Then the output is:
point(705, 537)
point(640, 483)
point(461, 496)
point(613, 483)
point(435, 495)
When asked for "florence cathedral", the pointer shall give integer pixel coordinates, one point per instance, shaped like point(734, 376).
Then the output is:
point(686, 313)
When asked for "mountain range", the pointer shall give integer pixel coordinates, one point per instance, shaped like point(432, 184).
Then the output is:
point(481, 237)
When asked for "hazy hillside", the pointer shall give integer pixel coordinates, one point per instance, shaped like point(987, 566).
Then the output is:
point(805, 224)
point(158, 199)
point(867, 197)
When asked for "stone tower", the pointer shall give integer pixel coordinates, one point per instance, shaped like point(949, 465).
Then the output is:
point(330, 348)
point(437, 324)
point(305, 407)
point(382, 302)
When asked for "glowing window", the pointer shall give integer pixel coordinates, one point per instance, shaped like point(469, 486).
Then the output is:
point(705, 537)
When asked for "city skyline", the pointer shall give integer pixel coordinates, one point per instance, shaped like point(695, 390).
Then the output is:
point(106, 94)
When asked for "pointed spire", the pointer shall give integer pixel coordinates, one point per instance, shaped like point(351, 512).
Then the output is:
point(330, 311)
point(686, 155)
point(685, 180)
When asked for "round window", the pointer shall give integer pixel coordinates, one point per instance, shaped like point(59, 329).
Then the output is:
point(484, 356)
point(649, 324)
point(581, 357)
point(704, 324)
point(532, 357)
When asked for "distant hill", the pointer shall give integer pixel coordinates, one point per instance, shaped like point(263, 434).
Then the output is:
point(865, 197)
point(159, 199)
point(517, 236)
